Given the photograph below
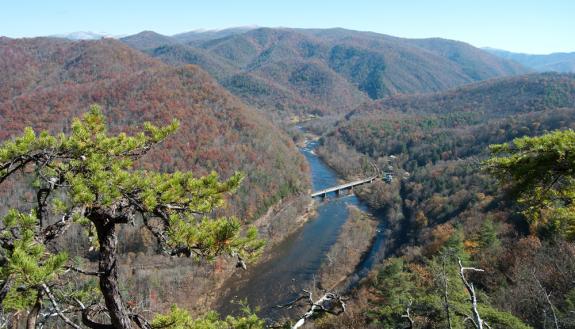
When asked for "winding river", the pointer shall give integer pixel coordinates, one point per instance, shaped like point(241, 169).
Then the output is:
point(295, 261)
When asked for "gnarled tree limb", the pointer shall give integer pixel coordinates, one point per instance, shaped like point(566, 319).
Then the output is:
point(331, 303)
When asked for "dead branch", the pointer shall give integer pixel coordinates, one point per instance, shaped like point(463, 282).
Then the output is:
point(476, 319)
point(330, 302)
point(407, 315)
point(78, 270)
point(140, 321)
point(548, 299)
point(58, 228)
point(87, 312)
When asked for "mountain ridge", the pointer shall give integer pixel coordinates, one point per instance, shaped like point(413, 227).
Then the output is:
point(563, 62)
point(359, 66)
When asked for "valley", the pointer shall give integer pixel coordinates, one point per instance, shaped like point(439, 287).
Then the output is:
point(284, 112)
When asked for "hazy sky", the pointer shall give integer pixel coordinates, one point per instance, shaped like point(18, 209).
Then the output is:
point(518, 25)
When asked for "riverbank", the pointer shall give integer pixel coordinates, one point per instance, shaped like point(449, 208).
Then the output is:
point(284, 218)
point(355, 239)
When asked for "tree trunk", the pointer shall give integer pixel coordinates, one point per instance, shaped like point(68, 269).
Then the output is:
point(33, 314)
point(13, 321)
point(109, 277)
point(5, 289)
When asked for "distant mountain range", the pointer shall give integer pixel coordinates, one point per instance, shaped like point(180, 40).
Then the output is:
point(557, 62)
point(287, 72)
point(85, 35)
point(196, 35)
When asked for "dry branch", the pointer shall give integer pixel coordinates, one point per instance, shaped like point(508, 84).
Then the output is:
point(476, 318)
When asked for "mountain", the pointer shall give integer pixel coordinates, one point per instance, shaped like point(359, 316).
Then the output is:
point(204, 35)
point(286, 72)
point(83, 35)
point(148, 40)
point(558, 62)
point(452, 128)
point(44, 82)
point(178, 54)
point(489, 99)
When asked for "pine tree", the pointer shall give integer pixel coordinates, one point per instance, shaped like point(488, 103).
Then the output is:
point(88, 178)
point(488, 235)
point(539, 173)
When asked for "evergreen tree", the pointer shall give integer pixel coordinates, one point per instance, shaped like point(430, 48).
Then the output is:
point(88, 178)
point(488, 235)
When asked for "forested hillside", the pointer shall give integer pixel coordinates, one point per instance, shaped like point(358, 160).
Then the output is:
point(443, 204)
point(287, 72)
point(45, 82)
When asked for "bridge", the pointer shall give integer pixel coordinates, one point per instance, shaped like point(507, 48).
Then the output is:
point(338, 188)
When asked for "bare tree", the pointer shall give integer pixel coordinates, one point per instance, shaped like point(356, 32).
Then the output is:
point(475, 318)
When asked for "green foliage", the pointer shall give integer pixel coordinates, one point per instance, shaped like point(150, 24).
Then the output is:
point(27, 263)
point(540, 174)
point(396, 287)
point(394, 282)
point(488, 235)
point(499, 319)
point(454, 246)
point(422, 287)
point(178, 318)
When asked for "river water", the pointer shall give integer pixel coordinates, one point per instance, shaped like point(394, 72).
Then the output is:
point(295, 262)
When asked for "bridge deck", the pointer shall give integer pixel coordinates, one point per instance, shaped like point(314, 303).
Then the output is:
point(343, 186)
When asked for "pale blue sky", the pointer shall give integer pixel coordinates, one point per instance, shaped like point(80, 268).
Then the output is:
point(518, 25)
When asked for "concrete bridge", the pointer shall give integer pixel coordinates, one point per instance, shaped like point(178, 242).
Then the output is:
point(338, 188)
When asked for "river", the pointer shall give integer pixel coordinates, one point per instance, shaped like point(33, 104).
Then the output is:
point(295, 262)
